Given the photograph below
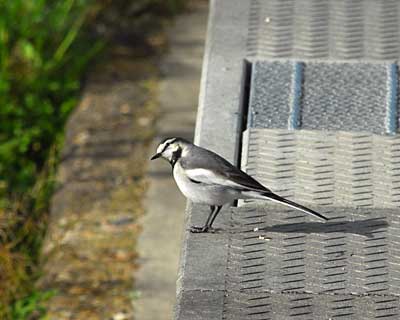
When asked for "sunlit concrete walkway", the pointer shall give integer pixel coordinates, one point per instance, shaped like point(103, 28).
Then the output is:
point(160, 242)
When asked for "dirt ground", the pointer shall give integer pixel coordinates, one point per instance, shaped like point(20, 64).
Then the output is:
point(89, 253)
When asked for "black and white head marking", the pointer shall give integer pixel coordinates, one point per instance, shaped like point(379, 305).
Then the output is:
point(166, 143)
point(175, 156)
point(170, 149)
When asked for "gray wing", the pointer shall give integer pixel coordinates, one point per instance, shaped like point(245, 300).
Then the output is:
point(211, 168)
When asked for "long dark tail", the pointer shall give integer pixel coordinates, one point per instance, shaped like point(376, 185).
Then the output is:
point(274, 197)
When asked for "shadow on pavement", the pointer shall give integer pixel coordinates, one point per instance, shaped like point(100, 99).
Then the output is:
point(365, 227)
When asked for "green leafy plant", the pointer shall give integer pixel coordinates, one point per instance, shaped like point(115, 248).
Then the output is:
point(44, 51)
point(31, 306)
point(42, 56)
point(46, 47)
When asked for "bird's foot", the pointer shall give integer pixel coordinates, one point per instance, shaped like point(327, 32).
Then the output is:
point(204, 229)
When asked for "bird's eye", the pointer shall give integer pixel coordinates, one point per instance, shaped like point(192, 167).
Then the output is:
point(165, 147)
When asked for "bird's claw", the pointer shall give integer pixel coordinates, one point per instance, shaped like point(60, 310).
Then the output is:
point(204, 229)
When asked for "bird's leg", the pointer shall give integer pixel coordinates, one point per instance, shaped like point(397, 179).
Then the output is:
point(207, 225)
point(215, 213)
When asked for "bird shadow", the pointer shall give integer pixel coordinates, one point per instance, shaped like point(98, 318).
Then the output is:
point(367, 227)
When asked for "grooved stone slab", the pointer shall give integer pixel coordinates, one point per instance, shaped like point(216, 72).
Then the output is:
point(323, 29)
point(294, 267)
point(201, 305)
point(306, 306)
point(348, 267)
point(354, 253)
point(338, 169)
point(284, 264)
point(324, 96)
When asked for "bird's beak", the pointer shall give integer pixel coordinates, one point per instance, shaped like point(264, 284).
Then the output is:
point(157, 155)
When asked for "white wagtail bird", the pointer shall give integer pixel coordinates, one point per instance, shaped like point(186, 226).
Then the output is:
point(206, 178)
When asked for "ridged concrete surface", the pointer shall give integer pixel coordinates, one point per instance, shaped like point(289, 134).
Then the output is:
point(324, 96)
point(284, 264)
point(324, 29)
point(339, 169)
point(294, 267)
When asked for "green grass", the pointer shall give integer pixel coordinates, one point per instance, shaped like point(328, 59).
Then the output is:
point(42, 56)
point(31, 306)
point(44, 50)
point(46, 46)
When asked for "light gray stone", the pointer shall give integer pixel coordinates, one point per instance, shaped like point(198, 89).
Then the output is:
point(159, 245)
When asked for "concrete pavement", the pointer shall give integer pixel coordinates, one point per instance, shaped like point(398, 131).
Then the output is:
point(160, 242)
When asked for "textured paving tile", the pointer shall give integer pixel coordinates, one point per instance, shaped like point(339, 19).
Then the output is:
point(284, 264)
point(294, 267)
point(321, 29)
point(324, 96)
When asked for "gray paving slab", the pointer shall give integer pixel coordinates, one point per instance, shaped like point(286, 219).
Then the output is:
point(305, 306)
point(218, 128)
point(355, 253)
point(292, 269)
point(204, 264)
point(348, 169)
point(219, 118)
point(159, 245)
point(283, 264)
point(327, 95)
point(201, 305)
point(325, 29)
point(346, 268)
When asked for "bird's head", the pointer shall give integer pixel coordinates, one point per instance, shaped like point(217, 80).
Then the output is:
point(171, 149)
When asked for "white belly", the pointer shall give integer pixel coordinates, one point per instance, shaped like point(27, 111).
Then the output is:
point(202, 193)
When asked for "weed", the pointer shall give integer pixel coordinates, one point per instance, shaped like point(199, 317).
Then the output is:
point(46, 47)
point(44, 50)
point(31, 306)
